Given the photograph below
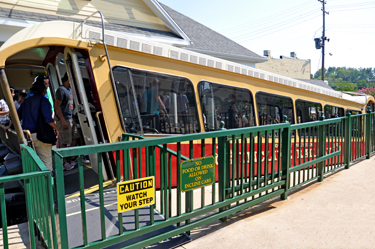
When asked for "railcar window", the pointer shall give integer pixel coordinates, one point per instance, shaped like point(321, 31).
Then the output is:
point(372, 106)
point(333, 111)
point(232, 105)
point(354, 112)
point(272, 108)
point(60, 67)
point(156, 103)
point(307, 111)
point(53, 78)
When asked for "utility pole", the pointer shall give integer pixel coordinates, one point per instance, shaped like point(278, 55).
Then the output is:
point(323, 35)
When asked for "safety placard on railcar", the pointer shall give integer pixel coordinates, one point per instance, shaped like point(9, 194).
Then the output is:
point(197, 173)
point(135, 194)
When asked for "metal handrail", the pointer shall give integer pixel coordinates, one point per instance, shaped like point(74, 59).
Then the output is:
point(103, 139)
point(109, 63)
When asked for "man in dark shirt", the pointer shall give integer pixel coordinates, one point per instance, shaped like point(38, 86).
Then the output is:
point(29, 111)
point(64, 121)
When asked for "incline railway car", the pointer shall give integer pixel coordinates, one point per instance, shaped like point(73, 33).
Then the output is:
point(122, 84)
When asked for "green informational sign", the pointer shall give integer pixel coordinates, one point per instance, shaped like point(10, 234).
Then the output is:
point(197, 173)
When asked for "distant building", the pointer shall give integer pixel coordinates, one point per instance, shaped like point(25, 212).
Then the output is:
point(287, 66)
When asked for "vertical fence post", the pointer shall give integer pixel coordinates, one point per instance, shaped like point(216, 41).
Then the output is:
point(321, 146)
point(368, 133)
point(60, 195)
point(3, 216)
point(285, 156)
point(348, 138)
point(222, 167)
point(30, 212)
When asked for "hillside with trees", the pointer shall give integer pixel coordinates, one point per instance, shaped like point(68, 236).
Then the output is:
point(347, 79)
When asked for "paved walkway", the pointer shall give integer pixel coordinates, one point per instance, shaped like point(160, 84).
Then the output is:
point(336, 213)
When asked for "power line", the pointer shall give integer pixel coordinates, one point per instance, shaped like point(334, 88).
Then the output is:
point(270, 30)
point(267, 19)
point(259, 27)
point(294, 38)
point(279, 25)
point(352, 5)
point(239, 29)
point(319, 62)
point(365, 8)
point(317, 31)
point(345, 31)
point(357, 25)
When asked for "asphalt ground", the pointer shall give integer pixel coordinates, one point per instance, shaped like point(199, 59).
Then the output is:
point(336, 213)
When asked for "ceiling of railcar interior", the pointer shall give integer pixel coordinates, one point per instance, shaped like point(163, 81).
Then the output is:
point(32, 56)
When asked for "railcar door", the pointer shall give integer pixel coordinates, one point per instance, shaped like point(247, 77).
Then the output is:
point(82, 105)
point(53, 79)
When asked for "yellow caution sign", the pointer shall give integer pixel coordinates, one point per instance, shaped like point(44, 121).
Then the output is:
point(135, 194)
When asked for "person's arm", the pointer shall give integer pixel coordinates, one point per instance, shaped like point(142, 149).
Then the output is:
point(19, 112)
point(2, 106)
point(59, 113)
point(9, 125)
point(3, 112)
point(186, 104)
point(47, 114)
point(161, 104)
point(53, 125)
point(234, 108)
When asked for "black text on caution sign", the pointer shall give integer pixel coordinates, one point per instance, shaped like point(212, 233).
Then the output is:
point(135, 194)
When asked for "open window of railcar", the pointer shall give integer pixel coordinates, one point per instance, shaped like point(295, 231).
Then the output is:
point(331, 111)
point(232, 105)
point(272, 108)
point(355, 112)
point(372, 106)
point(307, 111)
point(53, 78)
point(156, 103)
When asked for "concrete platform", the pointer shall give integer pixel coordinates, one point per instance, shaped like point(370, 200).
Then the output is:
point(336, 213)
point(19, 237)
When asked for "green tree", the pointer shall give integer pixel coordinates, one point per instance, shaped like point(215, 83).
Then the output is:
point(345, 86)
point(362, 77)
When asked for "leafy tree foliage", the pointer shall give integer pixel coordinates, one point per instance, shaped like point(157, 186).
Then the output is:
point(347, 79)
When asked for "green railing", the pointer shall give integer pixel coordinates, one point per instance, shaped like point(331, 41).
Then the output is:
point(37, 182)
point(370, 128)
point(253, 165)
point(151, 157)
point(358, 148)
point(317, 150)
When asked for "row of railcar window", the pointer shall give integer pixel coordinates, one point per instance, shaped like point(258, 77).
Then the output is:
point(166, 104)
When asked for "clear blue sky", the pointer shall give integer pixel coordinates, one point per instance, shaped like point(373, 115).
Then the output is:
point(291, 26)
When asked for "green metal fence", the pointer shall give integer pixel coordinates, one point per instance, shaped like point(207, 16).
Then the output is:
point(37, 182)
point(316, 150)
point(370, 127)
point(239, 183)
point(252, 165)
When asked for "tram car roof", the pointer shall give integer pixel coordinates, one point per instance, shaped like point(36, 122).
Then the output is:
point(13, 53)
